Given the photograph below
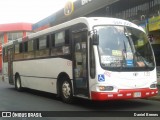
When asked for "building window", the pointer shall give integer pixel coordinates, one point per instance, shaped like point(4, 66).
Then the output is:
point(53, 39)
point(14, 35)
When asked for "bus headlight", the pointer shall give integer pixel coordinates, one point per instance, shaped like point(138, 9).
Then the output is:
point(106, 88)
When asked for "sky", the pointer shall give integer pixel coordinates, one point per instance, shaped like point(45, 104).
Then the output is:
point(29, 11)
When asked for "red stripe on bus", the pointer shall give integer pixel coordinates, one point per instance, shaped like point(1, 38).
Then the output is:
point(123, 94)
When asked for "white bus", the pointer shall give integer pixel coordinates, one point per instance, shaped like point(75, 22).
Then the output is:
point(94, 58)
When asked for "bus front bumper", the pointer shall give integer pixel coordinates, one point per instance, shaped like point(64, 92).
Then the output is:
point(124, 94)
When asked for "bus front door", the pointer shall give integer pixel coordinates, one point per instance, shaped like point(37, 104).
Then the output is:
point(80, 69)
point(10, 65)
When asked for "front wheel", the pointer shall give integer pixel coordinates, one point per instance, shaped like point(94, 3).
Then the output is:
point(18, 85)
point(66, 91)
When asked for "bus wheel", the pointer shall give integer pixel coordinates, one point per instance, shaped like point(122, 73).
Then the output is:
point(18, 84)
point(66, 91)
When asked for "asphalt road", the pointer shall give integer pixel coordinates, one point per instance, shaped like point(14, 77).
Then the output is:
point(31, 100)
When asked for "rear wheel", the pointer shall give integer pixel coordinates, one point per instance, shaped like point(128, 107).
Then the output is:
point(66, 91)
point(18, 84)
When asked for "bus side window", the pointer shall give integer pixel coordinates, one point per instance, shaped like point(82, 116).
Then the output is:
point(48, 41)
point(20, 48)
point(5, 58)
point(66, 47)
point(60, 39)
point(67, 37)
point(18, 52)
point(42, 42)
point(30, 45)
point(16, 47)
point(59, 42)
point(53, 50)
point(37, 43)
point(42, 47)
point(25, 44)
point(53, 40)
point(25, 47)
point(28, 49)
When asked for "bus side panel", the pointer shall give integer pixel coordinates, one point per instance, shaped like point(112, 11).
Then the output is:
point(41, 74)
point(37, 83)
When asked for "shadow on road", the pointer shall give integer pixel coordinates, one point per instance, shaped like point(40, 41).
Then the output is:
point(112, 105)
point(38, 93)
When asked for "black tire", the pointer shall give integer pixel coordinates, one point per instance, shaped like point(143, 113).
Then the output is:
point(18, 85)
point(66, 91)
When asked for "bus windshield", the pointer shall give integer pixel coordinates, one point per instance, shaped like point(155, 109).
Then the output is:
point(124, 48)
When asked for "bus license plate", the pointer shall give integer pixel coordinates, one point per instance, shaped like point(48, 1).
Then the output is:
point(137, 94)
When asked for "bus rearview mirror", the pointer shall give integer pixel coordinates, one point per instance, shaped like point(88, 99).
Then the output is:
point(95, 39)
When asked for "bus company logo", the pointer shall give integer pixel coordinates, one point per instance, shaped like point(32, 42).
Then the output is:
point(69, 8)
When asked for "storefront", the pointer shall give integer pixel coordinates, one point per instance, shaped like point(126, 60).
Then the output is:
point(154, 29)
point(154, 33)
point(71, 10)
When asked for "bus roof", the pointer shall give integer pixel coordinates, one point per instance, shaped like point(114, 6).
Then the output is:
point(89, 21)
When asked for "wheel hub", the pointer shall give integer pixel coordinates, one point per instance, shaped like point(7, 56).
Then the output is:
point(66, 90)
